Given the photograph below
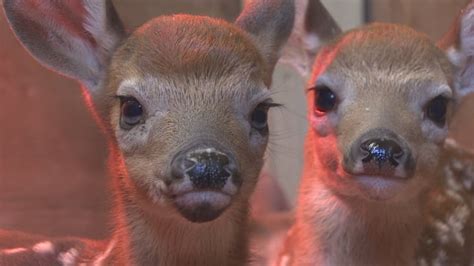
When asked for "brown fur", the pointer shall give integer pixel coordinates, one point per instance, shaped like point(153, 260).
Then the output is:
point(383, 76)
point(198, 79)
point(206, 67)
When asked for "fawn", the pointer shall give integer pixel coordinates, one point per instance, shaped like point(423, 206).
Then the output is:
point(183, 101)
point(380, 99)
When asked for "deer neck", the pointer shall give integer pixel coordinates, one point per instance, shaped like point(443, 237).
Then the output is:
point(331, 229)
point(144, 237)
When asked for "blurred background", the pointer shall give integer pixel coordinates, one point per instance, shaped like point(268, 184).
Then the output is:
point(53, 172)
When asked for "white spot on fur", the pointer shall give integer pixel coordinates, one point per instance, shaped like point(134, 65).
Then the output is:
point(455, 56)
point(13, 251)
point(457, 221)
point(285, 259)
point(440, 258)
point(442, 230)
point(422, 262)
point(468, 183)
point(454, 195)
point(451, 143)
point(312, 42)
point(69, 257)
point(44, 247)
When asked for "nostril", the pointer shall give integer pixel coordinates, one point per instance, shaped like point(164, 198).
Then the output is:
point(188, 164)
point(180, 166)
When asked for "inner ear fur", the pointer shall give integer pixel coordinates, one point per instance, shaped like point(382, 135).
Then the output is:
point(73, 37)
point(458, 44)
point(314, 26)
point(269, 23)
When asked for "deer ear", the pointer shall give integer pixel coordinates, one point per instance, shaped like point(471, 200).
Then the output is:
point(459, 46)
point(313, 27)
point(269, 22)
point(75, 37)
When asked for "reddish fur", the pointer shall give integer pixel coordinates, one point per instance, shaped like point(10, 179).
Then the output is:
point(211, 75)
point(335, 223)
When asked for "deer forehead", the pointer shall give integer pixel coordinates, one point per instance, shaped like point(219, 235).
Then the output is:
point(385, 64)
point(189, 48)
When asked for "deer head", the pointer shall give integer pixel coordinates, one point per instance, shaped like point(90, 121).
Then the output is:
point(380, 101)
point(183, 99)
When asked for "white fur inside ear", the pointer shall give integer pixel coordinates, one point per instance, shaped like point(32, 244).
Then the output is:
point(84, 55)
point(76, 46)
point(97, 24)
point(467, 32)
point(462, 57)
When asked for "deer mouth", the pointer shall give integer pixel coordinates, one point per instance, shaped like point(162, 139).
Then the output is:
point(380, 187)
point(380, 179)
point(376, 180)
point(374, 171)
point(201, 206)
point(377, 187)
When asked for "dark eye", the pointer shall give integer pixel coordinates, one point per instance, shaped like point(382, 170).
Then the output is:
point(436, 110)
point(259, 117)
point(131, 112)
point(325, 99)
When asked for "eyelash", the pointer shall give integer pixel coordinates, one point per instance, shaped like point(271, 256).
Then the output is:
point(269, 105)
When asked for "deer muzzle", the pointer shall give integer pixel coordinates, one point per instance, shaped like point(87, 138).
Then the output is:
point(205, 180)
point(381, 153)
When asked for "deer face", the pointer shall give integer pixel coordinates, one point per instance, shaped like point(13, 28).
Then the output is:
point(190, 114)
point(379, 106)
point(380, 100)
point(183, 99)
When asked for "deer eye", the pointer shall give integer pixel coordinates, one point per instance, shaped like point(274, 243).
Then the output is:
point(131, 112)
point(259, 117)
point(325, 99)
point(436, 110)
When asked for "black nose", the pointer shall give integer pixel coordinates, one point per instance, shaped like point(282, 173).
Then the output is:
point(206, 168)
point(381, 151)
